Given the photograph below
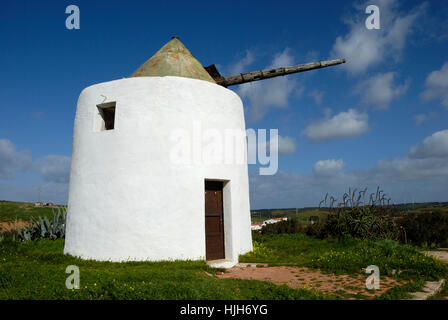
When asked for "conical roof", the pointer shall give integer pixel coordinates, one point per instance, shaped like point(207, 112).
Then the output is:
point(173, 59)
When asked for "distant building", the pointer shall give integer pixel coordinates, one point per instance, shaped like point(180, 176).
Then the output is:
point(274, 220)
point(256, 226)
point(259, 226)
point(43, 204)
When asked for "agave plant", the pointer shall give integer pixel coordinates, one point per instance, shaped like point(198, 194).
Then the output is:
point(356, 218)
point(43, 228)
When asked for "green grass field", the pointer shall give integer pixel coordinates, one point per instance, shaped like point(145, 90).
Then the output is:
point(349, 256)
point(9, 211)
point(36, 270)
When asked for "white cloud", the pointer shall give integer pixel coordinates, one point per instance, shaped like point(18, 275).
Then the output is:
point(328, 167)
point(286, 145)
point(271, 93)
point(411, 169)
point(12, 160)
point(240, 65)
point(380, 90)
point(317, 96)
point(282, 59)
point(404, 178)
point(434, 146)
point(437, 85)
point(54, 168)
point(423, 117)
point(420, 118)
point(49, 192)
point(343, 125)
point(365, 48)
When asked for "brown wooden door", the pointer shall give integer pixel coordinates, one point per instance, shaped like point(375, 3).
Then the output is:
point(214, 222)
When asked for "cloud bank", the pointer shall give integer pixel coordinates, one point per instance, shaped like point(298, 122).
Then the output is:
point(436, 86)
point(271, 93)
point(53, 169)
point(12, 160)
point(420, 175)
point(343, 125)
point(364, 48)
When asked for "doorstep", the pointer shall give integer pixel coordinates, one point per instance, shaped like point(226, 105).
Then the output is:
point(222, 263)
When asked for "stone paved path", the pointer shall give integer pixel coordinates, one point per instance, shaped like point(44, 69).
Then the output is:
point(442, 255)
point(432, 287)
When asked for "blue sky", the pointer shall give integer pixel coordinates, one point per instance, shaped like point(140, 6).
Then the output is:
point(380, 119)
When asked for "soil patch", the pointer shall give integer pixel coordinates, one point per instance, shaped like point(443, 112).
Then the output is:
point(301, 277)
point(9, 226)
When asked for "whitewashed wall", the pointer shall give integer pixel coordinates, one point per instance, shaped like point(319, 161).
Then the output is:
point(127, 200)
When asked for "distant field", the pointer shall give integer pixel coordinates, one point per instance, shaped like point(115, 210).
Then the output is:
point(304, 214)
point(9, 211)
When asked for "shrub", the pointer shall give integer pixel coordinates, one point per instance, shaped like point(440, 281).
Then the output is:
point(426, 228)
point(292, 225)
point(370, 222)
point(317, 230)
point(43, 228)
point(390, 256)
point(357, 219)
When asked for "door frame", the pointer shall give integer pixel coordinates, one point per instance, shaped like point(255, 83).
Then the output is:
point(226, 216)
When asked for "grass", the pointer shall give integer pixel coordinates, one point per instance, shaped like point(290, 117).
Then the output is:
point(36, 270)
point(349, 256)
point(9, 211)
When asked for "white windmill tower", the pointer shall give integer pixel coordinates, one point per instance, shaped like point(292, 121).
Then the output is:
point(127, 199)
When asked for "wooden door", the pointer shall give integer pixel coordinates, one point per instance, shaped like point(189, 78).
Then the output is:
point(214, 222)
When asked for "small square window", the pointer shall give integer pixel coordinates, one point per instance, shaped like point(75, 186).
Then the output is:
point(107, 113)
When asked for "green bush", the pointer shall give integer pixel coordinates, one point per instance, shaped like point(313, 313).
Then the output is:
point(368, 222)
point(426, 228)
point(354, 217)
point(391, 257)
point(292, 225)
point(318, 230)
point(43, 228)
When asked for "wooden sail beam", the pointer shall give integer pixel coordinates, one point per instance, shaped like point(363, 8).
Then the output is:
point(268, 73)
